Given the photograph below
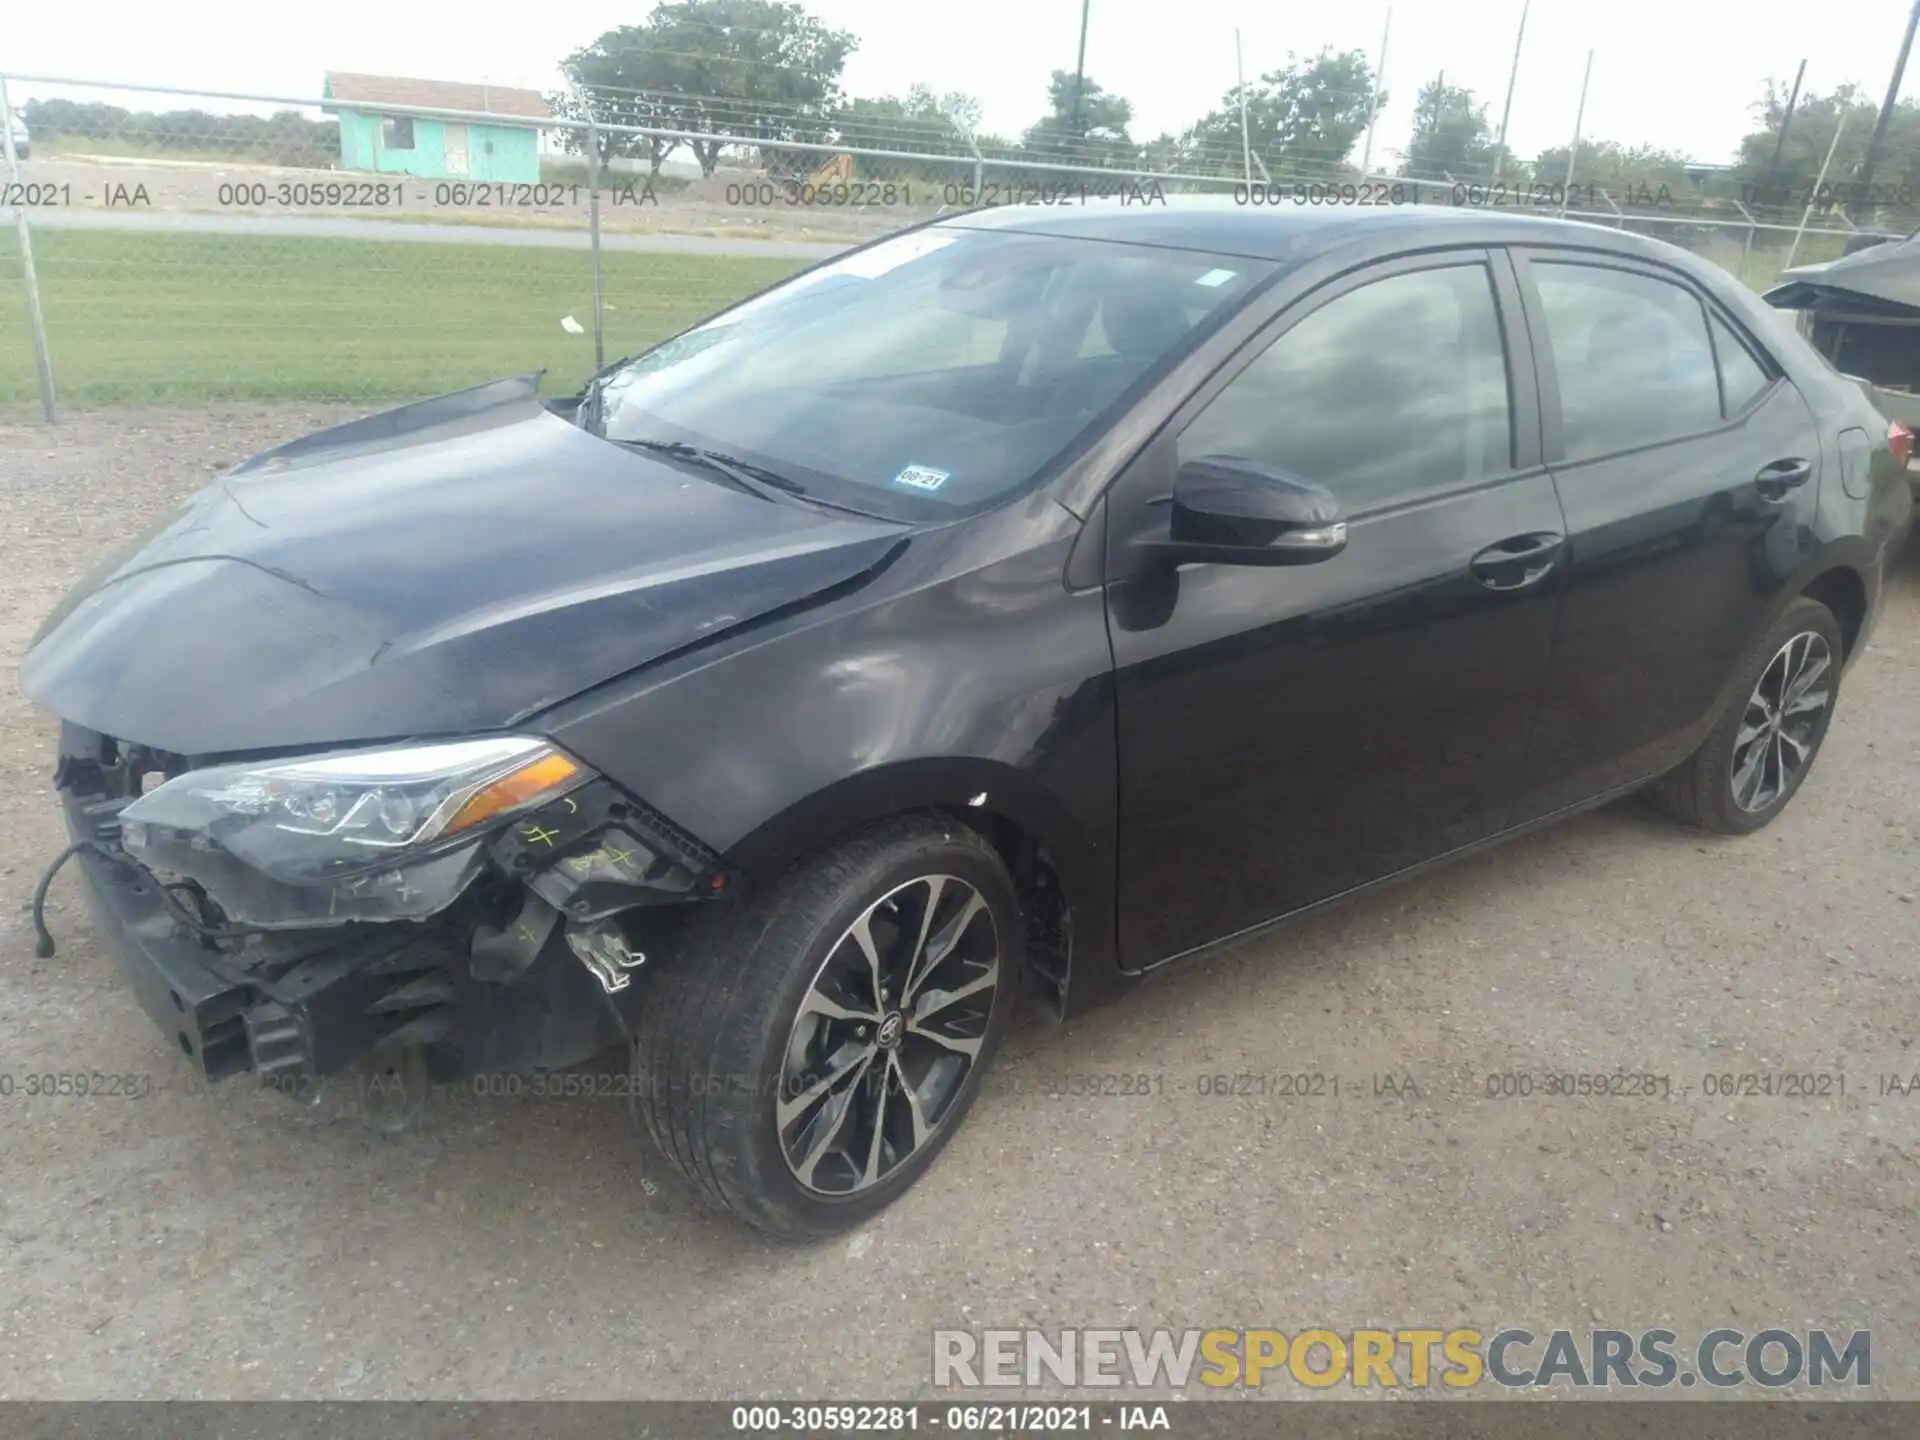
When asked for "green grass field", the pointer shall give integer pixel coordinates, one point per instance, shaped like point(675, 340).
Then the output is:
point(180, 317)
point(135, 317)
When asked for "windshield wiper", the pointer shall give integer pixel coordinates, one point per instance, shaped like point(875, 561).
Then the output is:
point(587, 413)
point(754, 479)
point(592, 412)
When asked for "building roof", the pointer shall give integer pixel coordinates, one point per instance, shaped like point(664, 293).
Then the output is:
point(375, 90)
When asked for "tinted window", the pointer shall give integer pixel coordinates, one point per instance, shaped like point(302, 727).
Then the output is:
point(935, 370)
point(1391, 388)
point(1741, 378)
point(1632, 357)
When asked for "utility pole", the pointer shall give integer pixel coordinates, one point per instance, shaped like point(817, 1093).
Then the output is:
point(1786, 120)
point(1080, 69)
point(1513, 76)
point(1865, 186)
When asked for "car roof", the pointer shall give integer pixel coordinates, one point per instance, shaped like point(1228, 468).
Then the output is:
point(1222, 225)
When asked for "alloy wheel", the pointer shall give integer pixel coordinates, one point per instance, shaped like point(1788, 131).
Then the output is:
point(887, 1034)
point(1781, 726)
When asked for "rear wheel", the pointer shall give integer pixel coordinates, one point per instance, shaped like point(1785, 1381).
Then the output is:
point(1763, 747)
point(808, 1054)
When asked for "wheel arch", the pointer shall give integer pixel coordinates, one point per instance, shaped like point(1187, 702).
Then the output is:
point(1837, 576)
point(1843, 590)
point(1063, 873)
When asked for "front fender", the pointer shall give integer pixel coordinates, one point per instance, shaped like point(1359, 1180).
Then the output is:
point(968, 669)
point(989, 788)
point(988, 794)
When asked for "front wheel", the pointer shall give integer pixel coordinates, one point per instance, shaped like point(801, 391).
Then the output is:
point(1764, 745)
point(807, 1054)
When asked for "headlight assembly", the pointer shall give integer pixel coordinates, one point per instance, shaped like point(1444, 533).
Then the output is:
point(381, 834)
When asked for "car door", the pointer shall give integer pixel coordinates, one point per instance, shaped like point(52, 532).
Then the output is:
point(1688, 466)
point(1289, 733)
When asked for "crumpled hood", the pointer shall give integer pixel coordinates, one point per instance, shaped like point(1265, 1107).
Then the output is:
point(448, 566)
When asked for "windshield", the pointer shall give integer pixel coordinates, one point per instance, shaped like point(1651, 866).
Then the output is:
point(931, 373)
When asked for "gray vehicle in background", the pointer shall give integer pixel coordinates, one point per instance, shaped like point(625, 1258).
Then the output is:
point(1862, 312)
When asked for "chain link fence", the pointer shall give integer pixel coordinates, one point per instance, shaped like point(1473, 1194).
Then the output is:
point(179, 246)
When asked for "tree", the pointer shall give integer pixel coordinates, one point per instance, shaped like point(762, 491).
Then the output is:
point(744, 69)
point(1089, 128)
point(285, 138)
point(921, 120)
point(1451, 136)
point(609, 106)
point(1621, 170)
point(1167, 152)
point(1788, 185)
point(1302, 118)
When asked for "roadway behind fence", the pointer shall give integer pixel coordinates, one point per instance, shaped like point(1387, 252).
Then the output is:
point(166, 245)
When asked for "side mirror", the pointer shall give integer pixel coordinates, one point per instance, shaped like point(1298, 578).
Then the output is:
point(1229, 511)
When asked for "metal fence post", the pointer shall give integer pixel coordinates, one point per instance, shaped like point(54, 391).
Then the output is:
point(1513, 79)
point(43, 361)
point(1819, 185)
point(1746, 247)
point(979, 168)
point(593, 241)
point(1373, 100)
point(1573, 150)
point(1246, 138)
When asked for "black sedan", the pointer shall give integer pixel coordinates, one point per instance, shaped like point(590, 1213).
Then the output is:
point(1016, 605)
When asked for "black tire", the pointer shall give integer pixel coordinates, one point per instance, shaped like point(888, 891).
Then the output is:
point(1701, 791)
point(718, 1019)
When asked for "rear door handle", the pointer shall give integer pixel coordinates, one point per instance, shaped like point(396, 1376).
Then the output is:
point(1775, 480)
point(1519, 561)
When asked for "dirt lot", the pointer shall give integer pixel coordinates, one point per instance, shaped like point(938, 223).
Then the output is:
point(226, 1244)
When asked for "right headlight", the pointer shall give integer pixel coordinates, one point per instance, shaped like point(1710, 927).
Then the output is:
point(359, 835)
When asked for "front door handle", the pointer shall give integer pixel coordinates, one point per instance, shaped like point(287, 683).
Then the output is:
point(1519, 561)
point(1775, 480)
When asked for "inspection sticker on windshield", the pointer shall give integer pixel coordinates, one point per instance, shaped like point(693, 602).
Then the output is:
point(1216, 277)
point(923, 477)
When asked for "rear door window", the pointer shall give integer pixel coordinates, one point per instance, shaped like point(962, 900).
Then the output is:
point(1632, 357)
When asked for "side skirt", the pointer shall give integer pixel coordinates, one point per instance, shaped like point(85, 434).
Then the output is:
point(1198, 952)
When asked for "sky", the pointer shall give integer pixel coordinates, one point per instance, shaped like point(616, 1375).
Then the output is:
point(1680, 74)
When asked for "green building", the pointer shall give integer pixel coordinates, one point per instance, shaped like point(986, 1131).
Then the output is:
point(504, 149)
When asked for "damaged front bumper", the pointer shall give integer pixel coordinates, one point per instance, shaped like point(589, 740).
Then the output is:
point(528, 969)
point(288, 1023)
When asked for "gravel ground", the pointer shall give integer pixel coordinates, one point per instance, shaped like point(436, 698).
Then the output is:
point(226, 1244)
